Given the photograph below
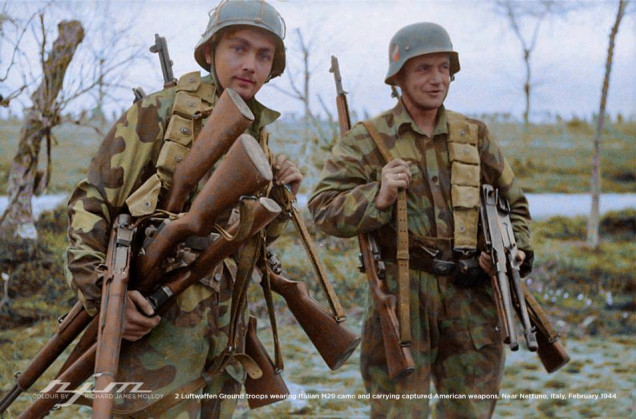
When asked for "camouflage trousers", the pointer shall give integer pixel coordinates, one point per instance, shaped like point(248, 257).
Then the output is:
point(456, 345)
point(191, 334)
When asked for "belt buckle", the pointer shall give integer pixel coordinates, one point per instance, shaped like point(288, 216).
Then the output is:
point(442, 267)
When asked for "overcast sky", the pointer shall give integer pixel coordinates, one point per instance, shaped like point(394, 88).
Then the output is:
point(568, 63)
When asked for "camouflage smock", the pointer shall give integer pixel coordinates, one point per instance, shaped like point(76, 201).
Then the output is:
point(456, 343)
point(192, 331)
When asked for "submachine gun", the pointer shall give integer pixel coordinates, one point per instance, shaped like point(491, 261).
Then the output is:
point(510, 293)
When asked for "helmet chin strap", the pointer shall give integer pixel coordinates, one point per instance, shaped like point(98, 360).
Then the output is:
point(215, 79)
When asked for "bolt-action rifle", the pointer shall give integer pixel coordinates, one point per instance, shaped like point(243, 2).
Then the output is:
point(510, 293)
point(332, 339)
point(224, 188)
point(399, 357)
point(161, 47)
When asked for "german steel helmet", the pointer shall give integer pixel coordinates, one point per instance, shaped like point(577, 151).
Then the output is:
point(255, 13)
point(419, 39)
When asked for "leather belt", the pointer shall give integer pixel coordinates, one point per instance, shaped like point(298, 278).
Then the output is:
point(431, 265)
point(427, 260)
point(434, 266)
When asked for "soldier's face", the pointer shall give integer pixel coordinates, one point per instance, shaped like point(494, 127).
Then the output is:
point(243, 59)
point(424, 81)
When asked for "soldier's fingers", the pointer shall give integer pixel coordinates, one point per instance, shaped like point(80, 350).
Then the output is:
point(521, 256)
point(404, 170)
point(400, 180)
point(285, 169)
point(485, 262)
point(280, 161)
point(292, 178)
point(141, 302)
point(398, 164)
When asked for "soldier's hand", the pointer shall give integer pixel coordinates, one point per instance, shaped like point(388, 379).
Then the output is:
point(136, 323)
point(286, 173)
point(395, 175)
point(485, 261)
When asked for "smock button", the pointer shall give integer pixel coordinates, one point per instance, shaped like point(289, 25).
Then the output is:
point(435, 179)
point(179, 158)
point(185, 131)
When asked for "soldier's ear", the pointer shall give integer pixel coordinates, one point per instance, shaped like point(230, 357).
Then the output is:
point(207, 53)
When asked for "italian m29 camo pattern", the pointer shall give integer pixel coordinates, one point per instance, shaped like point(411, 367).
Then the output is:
point(456, 341)
point(131, 169)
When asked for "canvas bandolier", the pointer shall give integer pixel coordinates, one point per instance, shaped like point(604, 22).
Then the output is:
point(193, 102)
point(463, 153)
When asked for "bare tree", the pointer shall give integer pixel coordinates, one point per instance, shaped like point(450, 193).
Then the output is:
point(525, 19)
point(44, 114)
point(101, 70)
point(12, 31)
point(315, 133)
point(593, 220)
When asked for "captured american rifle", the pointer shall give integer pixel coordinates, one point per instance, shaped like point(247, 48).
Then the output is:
point(270, 386)
point(399, 358)
point(161, 47)
point(332, 339)
point(510, 293)
point(222, 190)
point(111, 316)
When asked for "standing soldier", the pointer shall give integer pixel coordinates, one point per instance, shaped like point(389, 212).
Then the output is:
point(440, 158)
point(242, 48)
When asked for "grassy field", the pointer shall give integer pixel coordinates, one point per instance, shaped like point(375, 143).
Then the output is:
point(588, 295)
point(572, 284)
point(547, 158)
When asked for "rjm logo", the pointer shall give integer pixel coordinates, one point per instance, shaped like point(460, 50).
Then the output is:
point(131, 387)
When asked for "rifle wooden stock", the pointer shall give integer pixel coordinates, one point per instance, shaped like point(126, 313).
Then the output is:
point(112, 312)
point(334, 342)
point(74, 322)
point(180, 279)
point(551, 353)
point(244, 170)
point(80, 363)
point(398, 358)
point(229, 119)
point(270, 387)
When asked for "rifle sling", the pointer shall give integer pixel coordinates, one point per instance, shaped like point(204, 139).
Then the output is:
point(247, 260)
point(267, 293)
point(286, 199)
point(402, 254)
point(332, 298)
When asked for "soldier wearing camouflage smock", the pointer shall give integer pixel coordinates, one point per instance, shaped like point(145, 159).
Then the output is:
point(242, 48)
point(440, 158)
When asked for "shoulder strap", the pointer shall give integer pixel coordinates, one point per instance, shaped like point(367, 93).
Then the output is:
point(402, 245)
